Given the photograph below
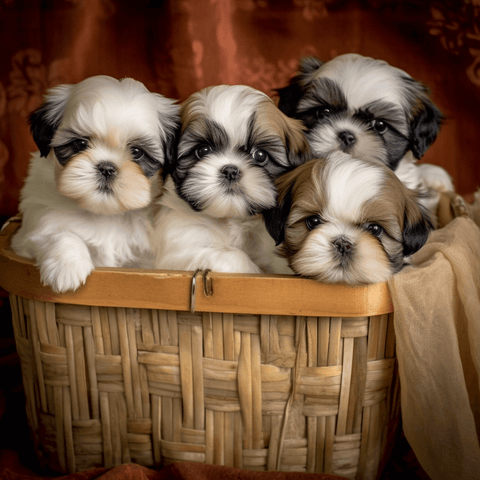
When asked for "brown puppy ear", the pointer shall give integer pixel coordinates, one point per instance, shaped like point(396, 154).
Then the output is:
point(417, 226)
point(276, 217)
point(290, 130)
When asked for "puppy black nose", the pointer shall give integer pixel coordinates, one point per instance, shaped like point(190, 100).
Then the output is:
point(231, 172)
point(347, 138)
point(343, 246)
point(107, 169)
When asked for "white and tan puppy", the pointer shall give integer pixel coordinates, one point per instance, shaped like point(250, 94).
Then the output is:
point(373, 111)
point(345, 220)
point(102, 144)
point(234, 143)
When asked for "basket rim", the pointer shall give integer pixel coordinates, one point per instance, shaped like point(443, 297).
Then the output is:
point(171, 290)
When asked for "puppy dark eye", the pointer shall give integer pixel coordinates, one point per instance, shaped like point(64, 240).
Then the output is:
point(260, 156)
point(322, 112)
point(313, 222)
point(137, 153)
point(375, 229)
point(79, 145)
point(379, 126)
point(200, 152)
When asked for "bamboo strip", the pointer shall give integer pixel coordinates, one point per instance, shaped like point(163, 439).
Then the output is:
point(133, 319)
point(126, 363)
point(97, 330)
point(80, 372)
point(209, 436)
point(36, 355)
point(177, 419)
point(256, 385)
point(186, 369)
point(198, 384)
point(219, 438)
point(163, 328)
point(156, 428)
point(114, 320)
point(345, 386)
point(311, 443)
point(115, 428)
point(59, 427)
point(245, 390)
point(228, 337)
point(229, 447)
point(312, 341)
point(71, 371)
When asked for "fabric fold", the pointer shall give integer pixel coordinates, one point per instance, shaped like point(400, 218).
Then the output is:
point(437, 326)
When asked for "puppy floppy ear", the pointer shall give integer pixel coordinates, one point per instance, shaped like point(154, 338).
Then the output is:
point(276, 217)
point(287, 186)
point(45, 120)
point(425, 123)
point(291, 94)
point(416, 227)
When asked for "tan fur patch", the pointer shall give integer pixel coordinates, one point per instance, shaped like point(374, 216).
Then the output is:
point(290, 130)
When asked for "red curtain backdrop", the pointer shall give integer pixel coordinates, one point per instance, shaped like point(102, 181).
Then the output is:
point(177, 47)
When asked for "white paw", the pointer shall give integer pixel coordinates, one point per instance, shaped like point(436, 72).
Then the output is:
point(63, 273)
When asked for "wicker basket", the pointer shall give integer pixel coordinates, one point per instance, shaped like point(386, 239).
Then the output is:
point(257, 372)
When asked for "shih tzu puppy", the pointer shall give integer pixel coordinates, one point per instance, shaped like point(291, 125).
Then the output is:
point(234, 142)
point(371, 110)
point(346, 220)
point(85, 202)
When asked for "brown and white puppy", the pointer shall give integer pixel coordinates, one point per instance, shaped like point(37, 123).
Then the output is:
point(234, 142)
point(102, 144)
point(373, 111)
point(346, 220)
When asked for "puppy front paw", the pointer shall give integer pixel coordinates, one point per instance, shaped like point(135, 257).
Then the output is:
point(63, 274)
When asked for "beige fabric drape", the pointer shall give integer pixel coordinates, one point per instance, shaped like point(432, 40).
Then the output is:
point(437, 324)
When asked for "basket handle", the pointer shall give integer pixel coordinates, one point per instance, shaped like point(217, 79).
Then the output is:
point(207, 287)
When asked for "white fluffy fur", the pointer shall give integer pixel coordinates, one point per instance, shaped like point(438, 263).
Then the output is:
point(69, 225)
point(188, 240)
point(364, 80)
point(204, 222)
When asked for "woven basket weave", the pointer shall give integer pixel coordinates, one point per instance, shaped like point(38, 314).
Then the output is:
point(269, 372)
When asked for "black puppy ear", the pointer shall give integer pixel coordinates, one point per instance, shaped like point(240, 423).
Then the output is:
point(291, 94)
point(416, 229)
point(310, 64)
point(425, 123)
point(45, 120)
point(276, 217)
point(171, 148)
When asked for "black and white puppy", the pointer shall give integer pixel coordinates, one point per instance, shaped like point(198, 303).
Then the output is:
point(86, 201)
point(346, 220)
point(234, 142)
point(373, 111)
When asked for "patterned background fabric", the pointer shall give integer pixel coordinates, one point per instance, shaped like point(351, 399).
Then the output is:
point(177, 47)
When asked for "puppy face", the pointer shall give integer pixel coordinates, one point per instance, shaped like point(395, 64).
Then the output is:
point(343, 220)
point(234, 142)
point(109, 138)
point(363, 107)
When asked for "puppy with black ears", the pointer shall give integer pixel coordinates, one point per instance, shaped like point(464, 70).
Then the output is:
point(234, 142)
point(373, 111)
point(346, 220)
point(86, 200)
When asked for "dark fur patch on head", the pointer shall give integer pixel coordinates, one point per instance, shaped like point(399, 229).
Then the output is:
point(42, 129)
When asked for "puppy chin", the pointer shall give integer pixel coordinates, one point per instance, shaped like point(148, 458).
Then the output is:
point(81, 181)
